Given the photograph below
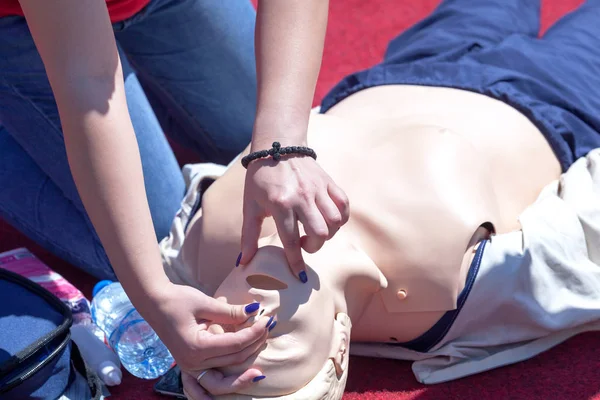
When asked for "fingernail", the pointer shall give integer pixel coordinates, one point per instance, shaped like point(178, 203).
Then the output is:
point(303, 277)
point(269, 321)
point(251, 308)
point(258, 378)
point(237, 262)
point(272, 326)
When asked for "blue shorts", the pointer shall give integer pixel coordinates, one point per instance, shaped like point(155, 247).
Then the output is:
point(492, 47)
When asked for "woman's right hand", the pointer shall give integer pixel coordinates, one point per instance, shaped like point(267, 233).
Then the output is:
point(181, 315)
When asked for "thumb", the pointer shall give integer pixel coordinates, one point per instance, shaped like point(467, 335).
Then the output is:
point(251, 227)
point(224, 313)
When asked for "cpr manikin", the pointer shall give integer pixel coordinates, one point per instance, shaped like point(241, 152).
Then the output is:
point(430, 173)
point(458, 135)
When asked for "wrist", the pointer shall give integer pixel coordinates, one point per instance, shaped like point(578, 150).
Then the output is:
point(276, 152)
point(147, 294)
point(287, 131)
point(157, 294)
point(265, 142)
point(153, 303)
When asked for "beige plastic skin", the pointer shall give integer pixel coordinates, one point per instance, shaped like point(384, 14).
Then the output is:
point(328, 384)
point(306, 335)
point(423, 168)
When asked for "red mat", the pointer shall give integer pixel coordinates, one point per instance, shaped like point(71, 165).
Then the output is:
point(358, 33)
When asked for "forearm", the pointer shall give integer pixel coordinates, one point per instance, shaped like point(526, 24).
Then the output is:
point(105, 163)
point(77, 45)
point(289, 48)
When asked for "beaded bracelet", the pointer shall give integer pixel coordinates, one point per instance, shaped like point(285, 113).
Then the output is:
point(276, 152)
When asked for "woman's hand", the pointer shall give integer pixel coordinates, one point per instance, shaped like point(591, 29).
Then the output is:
point(213, 382)
point(181, 314)
point(294, 189)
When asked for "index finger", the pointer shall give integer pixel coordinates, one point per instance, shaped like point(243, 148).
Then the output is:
point(251, 225)
point(289, 233)
point(222, 344)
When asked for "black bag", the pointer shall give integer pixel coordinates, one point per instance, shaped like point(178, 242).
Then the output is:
point(37, 357)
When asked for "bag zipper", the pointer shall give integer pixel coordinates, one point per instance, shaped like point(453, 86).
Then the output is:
point(62, 329)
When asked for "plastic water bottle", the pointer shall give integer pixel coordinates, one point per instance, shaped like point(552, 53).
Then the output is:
point(140, 350)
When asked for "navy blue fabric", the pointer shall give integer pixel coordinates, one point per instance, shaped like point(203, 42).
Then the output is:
point(492, 47)
point(49, 383)
point(429, 339)
point(25, 318)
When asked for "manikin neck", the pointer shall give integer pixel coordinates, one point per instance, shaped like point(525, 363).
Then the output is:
point(339, 266)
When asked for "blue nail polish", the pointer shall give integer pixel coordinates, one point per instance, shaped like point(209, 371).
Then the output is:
point(269, 321)
point(272, 326)
point(303, 277)
point(237, 263)
point(251, 308)
point(258, 378)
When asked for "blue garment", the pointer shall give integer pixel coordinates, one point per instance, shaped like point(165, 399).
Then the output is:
point(189, 69)
point(492, 47)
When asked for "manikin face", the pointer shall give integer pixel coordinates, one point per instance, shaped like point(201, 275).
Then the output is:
point(306, 334)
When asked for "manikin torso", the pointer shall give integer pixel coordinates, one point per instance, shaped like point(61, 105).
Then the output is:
point(423, 168)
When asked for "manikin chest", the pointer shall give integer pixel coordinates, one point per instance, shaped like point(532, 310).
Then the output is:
point(415, 201)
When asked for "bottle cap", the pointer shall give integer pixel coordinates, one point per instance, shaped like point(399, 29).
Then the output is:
point(110, 374)
point(100, 285)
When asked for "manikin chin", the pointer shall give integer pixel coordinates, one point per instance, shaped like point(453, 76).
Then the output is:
point(307, 353)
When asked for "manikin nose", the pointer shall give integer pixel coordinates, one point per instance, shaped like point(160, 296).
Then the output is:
point(265, 282)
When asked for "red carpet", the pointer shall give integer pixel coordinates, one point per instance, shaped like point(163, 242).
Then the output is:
point(357, 35)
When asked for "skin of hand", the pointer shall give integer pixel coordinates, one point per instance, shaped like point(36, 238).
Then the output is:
point(292, 190)
point(289, 46)
point(213, 382)
point(77, 45)
point(184, 317)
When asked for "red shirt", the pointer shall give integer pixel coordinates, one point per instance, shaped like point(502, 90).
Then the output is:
point(118, 10)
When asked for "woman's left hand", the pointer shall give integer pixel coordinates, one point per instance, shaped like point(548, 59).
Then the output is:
point(291, 190)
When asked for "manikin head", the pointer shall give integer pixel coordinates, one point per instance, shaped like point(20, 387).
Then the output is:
point(306, 355)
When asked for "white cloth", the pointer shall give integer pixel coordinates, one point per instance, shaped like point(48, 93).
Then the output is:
point(173, 265)
point(535, 288)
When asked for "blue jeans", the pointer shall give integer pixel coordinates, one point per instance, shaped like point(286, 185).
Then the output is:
point(492, 47)
point(189, 70)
